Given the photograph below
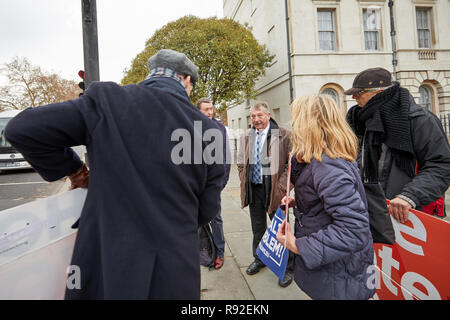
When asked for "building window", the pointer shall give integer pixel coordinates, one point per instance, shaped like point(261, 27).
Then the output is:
point(327, 30)
point(336, 92)
point(425, 98)
point(423, 27)
point(371, 19)
point(332, 93)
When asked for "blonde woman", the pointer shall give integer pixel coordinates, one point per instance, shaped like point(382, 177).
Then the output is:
point(332, 241)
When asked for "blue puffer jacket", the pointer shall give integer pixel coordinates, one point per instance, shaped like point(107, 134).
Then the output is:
point(332, 230)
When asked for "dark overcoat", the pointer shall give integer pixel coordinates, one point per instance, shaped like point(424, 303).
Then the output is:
point(137, 236)
point(226, 158)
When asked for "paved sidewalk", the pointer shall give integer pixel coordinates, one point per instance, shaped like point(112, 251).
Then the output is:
point(231, 282)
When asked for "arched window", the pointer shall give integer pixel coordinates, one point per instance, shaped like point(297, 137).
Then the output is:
point(336, 92)
point(332, 93)
point(425, 98)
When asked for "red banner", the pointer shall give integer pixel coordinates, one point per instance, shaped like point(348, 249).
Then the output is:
point(417, 266)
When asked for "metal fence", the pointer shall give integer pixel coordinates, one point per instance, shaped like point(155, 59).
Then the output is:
point(445, 120)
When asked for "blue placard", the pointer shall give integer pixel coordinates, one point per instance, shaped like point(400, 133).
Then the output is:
point(270, 251)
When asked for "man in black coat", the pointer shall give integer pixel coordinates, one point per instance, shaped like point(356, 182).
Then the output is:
point(206, 107)
point(403, 145)
point(149, 188)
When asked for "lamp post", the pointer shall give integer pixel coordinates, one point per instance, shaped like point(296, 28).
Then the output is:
point(90, 41)
point(291, 87)
point(394, 49)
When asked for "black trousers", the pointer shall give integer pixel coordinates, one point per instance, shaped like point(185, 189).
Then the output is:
point(258, 217)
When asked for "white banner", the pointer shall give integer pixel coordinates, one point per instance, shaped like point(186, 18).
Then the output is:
point(36, 244)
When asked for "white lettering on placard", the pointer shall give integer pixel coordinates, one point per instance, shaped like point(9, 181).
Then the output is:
point(273, 244)
point(387, 263)
point(408, 288)
point(408, 279)
point(418, 231)
point(263, 250)
point(274, 227)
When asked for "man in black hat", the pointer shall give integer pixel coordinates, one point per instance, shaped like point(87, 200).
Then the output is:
point(137, 236)
point(402, 145)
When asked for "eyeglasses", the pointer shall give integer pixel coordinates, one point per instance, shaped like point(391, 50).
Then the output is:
point(360, 92)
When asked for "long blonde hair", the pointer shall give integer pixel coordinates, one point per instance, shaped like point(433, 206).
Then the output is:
point(319, 127)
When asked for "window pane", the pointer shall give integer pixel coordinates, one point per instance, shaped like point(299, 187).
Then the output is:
point(333, 94)
point(419, 19)
point(370, 20)
point(425, 97)
point(423, 28)
point(371, 29)
point(422, 19)
point(326, 30)
point(326, 40)
point(371, 40)
point(424, 38)
point(325, 20)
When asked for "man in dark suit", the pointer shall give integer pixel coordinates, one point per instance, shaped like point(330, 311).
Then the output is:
point(206, 107)
point(137, 236)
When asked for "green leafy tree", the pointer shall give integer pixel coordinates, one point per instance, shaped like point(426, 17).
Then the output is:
point(229, 58)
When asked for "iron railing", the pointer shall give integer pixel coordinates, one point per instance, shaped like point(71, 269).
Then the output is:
point(445, 120)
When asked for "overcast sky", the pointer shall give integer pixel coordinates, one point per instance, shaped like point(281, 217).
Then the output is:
point(49, 32)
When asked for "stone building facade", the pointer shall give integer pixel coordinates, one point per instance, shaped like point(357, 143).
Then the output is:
point(332, 40)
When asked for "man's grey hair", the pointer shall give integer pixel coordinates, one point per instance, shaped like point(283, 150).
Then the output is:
point(202, 100)
point(261, 105)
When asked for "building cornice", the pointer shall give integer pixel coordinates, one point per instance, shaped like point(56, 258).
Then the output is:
point(371, 1)
point(348, 53)
point(326, 2)
point(423, 1)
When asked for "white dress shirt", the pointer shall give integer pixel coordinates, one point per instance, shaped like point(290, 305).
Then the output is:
point(263, 134)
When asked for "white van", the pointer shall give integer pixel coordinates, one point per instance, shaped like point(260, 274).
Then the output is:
point(10, 158)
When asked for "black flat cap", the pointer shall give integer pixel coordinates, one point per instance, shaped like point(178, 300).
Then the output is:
point(175, 61)
point(370, 78)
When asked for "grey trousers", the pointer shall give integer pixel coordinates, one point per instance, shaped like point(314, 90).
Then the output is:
point(217, 234)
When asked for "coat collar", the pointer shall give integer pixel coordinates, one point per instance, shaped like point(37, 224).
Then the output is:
point(167, 84)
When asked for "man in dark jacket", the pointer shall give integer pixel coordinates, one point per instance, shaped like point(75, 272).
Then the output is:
point(206, 107)
point(398, 139)
point(137, 236)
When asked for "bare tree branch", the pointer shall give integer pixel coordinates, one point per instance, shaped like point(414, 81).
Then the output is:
point(29, 86)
